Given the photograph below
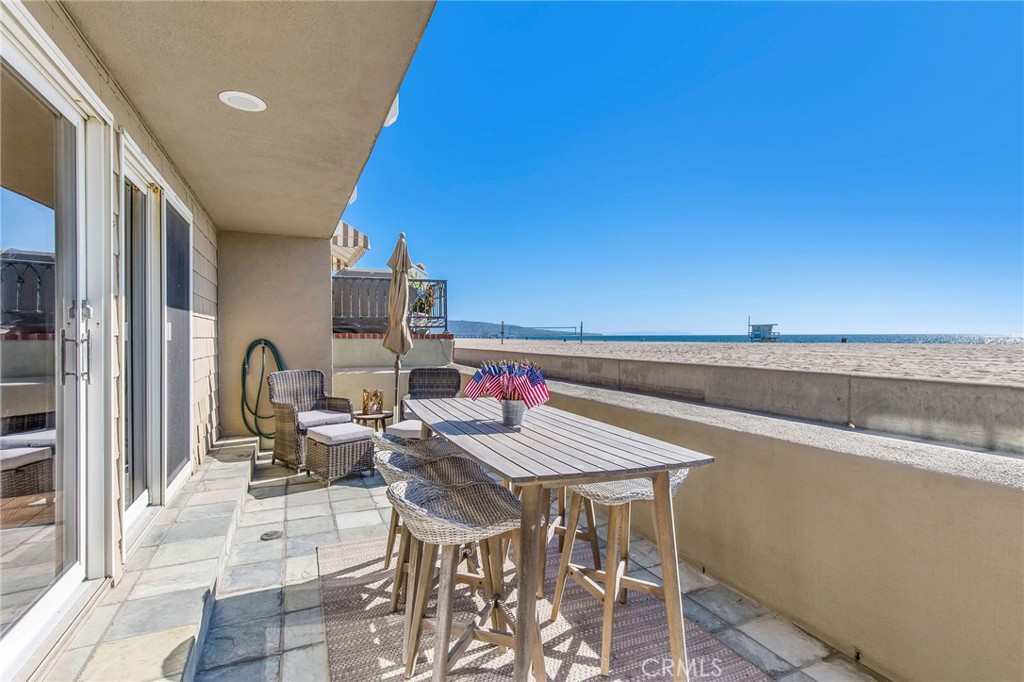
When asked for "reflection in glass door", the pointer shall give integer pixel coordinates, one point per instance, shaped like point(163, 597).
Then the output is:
point(39, 348)
point(135, 376)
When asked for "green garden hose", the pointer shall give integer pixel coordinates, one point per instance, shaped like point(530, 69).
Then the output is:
point(250, 411)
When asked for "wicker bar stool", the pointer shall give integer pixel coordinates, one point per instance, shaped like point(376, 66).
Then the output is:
point(445, 471)
point(424, 449)
point(612, 582)
point(441, 520)
point(430, 448)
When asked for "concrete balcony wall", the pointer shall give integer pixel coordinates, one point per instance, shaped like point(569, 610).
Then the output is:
point(27, 357)
point(908, 553)
point(350, 383)
point(367, 350)
point(276, 288)
point(27, 369)
point(361, 362)
point(977, 415)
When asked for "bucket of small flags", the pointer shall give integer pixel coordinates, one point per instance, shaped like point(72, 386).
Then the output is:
point(509, 380)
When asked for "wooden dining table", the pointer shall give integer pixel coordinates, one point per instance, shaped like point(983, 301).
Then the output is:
point(553, 449)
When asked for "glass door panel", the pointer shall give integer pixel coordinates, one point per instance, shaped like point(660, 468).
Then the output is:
point(39, 348)
point(178, 293)
point(135, 375)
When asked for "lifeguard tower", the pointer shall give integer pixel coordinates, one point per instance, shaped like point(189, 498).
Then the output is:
point(762, 333)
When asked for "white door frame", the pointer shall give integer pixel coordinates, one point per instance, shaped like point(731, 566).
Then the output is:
point(136, 167)
point(32, 54)
point(172, 486)
point(133, 170)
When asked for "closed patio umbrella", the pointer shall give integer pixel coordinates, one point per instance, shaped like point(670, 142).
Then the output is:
point(398, 339)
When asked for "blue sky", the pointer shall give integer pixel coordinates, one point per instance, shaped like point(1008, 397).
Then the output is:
point(25, 224)
point(846, 168)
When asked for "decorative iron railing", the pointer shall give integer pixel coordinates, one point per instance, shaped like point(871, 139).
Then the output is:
point(361, 304)
point(26, 293)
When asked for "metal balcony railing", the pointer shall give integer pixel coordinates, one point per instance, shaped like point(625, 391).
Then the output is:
point(26, 292)
point(361, 304)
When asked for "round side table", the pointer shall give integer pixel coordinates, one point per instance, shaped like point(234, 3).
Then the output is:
point(376, 420)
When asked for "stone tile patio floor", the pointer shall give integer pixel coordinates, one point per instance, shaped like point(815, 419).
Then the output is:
point(266, 622)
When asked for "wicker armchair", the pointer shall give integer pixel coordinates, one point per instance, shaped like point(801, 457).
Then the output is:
point(432, 382)
point(300, 392)
point(424, 382)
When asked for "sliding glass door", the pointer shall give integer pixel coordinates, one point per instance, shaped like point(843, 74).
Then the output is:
point(178, 301)
point(44, 354)
point(136, 339)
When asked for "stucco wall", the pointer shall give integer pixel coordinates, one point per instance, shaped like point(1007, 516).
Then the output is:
point(27, 368)
point(350, 383)
point(204, 234)
point(362, 362)
point(910, 553)
point(428, 350)
point(276, 288)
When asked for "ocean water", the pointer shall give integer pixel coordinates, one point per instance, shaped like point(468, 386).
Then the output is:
point(817, 338)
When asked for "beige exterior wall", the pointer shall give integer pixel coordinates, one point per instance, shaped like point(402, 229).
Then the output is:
point(908, 552)
point(205, 365)
point(276, 288)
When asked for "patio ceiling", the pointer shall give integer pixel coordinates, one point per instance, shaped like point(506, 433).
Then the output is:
point(328, 72)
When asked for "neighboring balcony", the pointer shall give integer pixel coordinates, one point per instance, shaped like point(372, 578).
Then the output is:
point(361, 304)
point(360, 318)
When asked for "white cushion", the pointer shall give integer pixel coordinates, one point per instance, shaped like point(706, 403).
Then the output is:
point(40, 438)
point(410, 429)
point(336, 434)
point(320, 417)
point(15, 458)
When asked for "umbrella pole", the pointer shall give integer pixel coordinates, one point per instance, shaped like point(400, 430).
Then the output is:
point(398, 374)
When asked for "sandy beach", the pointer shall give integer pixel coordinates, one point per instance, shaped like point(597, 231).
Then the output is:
point(990, 364)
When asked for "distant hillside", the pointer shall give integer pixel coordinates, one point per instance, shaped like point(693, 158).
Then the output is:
point(488, 330)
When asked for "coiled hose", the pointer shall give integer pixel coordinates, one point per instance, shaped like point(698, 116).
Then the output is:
point(249, 412)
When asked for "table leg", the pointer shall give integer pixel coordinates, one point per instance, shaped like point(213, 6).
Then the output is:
point(425, 431)
point(527, 568)
point(664, 526)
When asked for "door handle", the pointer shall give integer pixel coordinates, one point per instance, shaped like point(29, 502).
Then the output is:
point(64, 373)
point(87, 342)
point(87, 313)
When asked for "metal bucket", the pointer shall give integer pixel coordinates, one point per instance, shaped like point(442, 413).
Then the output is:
point(512, 412)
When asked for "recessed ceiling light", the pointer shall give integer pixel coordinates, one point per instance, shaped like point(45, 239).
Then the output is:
point(242, 101)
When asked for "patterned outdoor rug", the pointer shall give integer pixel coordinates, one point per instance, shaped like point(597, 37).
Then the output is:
point(364, 641)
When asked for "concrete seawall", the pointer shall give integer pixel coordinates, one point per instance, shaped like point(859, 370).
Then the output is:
point(987, 416)
point(904, 553)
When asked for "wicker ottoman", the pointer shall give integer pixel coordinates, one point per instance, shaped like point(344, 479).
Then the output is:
point(337, 450)
point(26, 471)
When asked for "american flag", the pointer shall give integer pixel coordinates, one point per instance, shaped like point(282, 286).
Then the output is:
point(475, 387)
point(520, 383)
point(496, 381)
point(509, 380)
point(537, 391)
